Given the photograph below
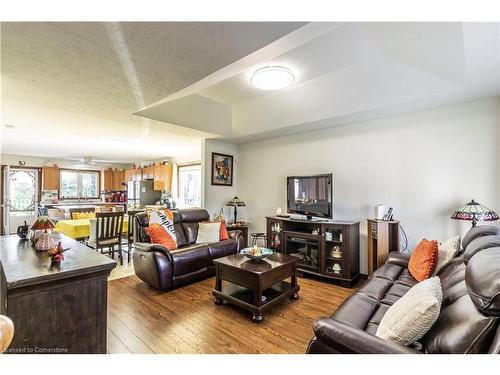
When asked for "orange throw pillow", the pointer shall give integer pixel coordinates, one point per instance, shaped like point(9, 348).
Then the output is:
point(160, 236)
point(223, 235)
point(423, 260)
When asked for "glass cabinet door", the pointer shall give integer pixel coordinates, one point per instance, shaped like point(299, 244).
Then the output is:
point(334, 252)
point(305, 250)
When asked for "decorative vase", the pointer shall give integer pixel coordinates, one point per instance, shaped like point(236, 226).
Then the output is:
point(44, 242)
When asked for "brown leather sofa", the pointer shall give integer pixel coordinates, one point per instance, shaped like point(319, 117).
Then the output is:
point(470, 311)
point(164, 269)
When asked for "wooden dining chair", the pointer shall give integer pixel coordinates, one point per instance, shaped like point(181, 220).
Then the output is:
point(130, 231)
point(106, 233)
point(6, 332)
point(73, 211)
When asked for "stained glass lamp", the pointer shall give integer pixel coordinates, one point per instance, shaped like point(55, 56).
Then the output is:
point(473, 211)
point(235, 202)
point(43, 240)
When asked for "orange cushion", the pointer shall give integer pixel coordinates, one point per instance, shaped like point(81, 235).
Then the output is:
point(223, 235)
point(160, 236)
point(423, 260)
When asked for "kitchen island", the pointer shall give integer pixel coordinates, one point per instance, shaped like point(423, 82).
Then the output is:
point(56, 308)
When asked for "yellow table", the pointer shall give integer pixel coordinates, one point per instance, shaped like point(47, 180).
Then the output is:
point(79, 228)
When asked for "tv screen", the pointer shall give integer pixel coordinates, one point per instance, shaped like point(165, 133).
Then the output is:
point(310, 195)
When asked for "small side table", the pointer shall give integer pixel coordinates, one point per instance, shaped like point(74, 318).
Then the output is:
point(239, 226)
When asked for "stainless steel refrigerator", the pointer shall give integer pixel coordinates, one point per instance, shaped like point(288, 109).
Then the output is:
point(141, 193)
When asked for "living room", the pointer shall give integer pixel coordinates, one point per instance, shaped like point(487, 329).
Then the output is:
point(223, 186)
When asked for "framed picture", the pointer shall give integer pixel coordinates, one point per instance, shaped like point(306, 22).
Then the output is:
point(222, 169)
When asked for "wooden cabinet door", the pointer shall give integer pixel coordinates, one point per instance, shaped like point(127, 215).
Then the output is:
point(108, 179)
point(118, 179)
point(137, 174)
point(50, 178)
point(126, 176)
point(148, 172)
point(163, 177)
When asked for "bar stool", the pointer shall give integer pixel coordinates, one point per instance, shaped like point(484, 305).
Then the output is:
point(258, 236)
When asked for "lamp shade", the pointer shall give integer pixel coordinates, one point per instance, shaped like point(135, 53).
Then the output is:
point(235, 202)
point(43, 222)
point(473, 211)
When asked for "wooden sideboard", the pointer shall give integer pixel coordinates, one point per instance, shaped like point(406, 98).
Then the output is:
point(56, 308)
point(383, 237)
point(329, 249)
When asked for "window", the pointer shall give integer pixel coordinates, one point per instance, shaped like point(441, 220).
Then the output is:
point(189, 185)
point(79, 184)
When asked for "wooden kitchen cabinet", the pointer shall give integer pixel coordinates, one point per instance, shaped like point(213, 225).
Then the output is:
point(108, 179)
point(128, 175)
point(118, 179)
point(50, 178)
point(162, 176)
point(137, 174)
point(148, 172)
point(113, 179)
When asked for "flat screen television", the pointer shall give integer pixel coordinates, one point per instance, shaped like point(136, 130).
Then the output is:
point(310, 195)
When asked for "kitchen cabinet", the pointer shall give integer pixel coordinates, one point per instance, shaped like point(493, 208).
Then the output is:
point(108, 179)
point(128, 175)
point(50, 178)
point(118, 179)
point(137, 174)
point(148, 172)
point(162, 176)
point(113, 179)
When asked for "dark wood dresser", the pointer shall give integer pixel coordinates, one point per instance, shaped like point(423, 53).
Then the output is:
point(55, 308)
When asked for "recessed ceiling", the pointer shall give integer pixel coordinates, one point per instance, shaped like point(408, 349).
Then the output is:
point(344, 73)
point(70, 87)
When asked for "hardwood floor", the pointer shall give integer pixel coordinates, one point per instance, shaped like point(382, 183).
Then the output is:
point(185, 320)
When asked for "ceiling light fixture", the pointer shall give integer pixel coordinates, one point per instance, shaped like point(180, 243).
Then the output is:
point(272, 78)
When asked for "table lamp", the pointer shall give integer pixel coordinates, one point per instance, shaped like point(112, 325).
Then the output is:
point(43, 240)
point(235, 202)
point(473, 211)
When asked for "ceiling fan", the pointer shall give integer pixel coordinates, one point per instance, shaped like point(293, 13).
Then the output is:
point(89, 162)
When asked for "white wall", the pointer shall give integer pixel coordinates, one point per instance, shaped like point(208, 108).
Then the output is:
point(424, 164)
point(214, 196)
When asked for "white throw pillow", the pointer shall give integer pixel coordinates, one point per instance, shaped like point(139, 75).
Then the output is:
point(208, 233)
point(446, 252)
point(413, 314)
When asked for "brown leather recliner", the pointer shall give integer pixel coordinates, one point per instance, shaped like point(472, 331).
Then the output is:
point(164, 269)
point(470, 311)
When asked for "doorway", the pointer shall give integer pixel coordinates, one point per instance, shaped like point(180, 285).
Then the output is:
point(20, 197)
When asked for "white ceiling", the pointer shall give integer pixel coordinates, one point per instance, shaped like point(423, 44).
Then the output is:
point(70, 89)
point(344, 73)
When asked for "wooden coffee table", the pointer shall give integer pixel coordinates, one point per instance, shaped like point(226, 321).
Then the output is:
point(255, 286)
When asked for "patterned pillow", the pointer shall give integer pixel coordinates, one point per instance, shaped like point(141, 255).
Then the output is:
point(446, 252)
point(423, 260)
point(165, 219)
point(410, 317)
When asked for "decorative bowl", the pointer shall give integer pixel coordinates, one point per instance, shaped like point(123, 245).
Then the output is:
point(262, 252)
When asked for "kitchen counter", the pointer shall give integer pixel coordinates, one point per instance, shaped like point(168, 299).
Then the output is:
point(68, 205)
point(55, 307)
